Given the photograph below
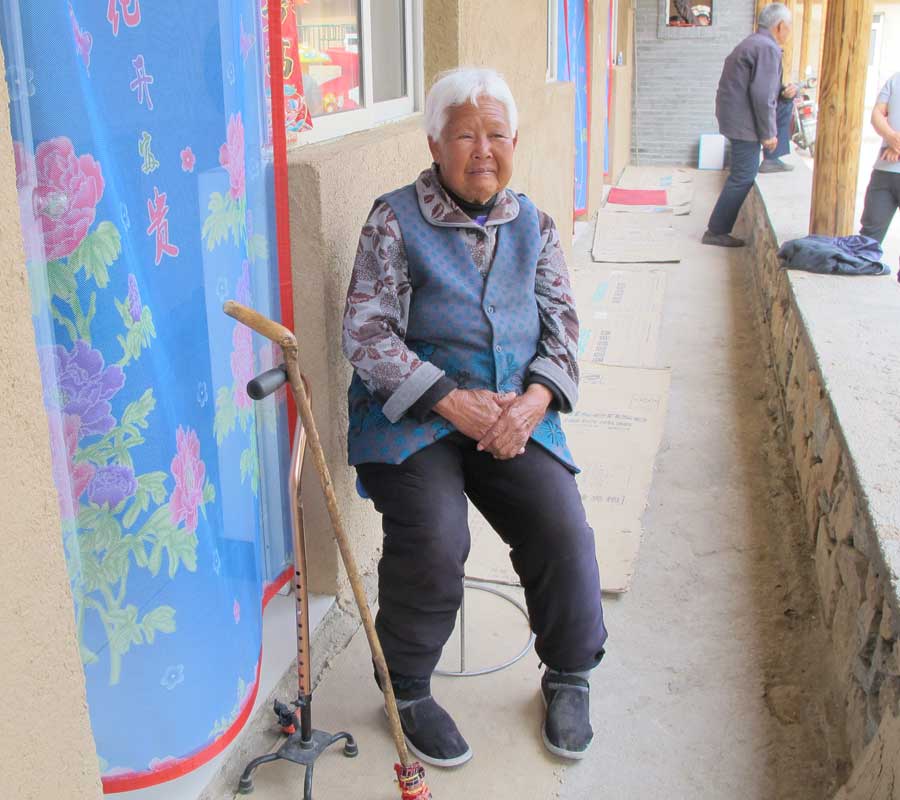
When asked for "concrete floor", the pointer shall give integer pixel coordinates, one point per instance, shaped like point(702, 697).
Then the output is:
point(716, 685)
point(716, 681)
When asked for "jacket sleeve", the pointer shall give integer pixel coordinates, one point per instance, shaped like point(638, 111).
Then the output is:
point(764, 90)
point(376, 316)
point(557, 352)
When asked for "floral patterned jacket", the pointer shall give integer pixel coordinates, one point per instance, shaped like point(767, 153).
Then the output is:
point(378, 300)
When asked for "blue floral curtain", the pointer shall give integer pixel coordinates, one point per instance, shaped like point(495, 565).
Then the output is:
point(572, 66)
point(144, 182)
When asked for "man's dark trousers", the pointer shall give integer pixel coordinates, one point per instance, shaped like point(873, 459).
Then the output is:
point(744, 168)
point(533, 503)
point(882, 201)
point(783, 115)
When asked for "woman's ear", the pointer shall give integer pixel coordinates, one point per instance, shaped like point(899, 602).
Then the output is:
point(435, 148)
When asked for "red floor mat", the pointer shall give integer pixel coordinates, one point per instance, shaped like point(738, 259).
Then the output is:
point(638, 197)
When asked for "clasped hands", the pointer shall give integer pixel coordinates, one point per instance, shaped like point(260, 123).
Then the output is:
point(500, 423)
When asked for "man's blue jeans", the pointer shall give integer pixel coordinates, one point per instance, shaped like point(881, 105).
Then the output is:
point(744, 167)
point(783, 114)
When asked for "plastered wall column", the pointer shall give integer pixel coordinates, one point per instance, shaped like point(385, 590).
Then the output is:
point(441, 34)
point(623, 94)
point(599, 101)
point(45, 735)
point(511, 36)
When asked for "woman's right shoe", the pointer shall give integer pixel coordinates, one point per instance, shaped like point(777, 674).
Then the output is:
point(431, 734)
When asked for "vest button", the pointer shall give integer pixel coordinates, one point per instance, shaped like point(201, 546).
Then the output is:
point(498, 348)
point(491, 309)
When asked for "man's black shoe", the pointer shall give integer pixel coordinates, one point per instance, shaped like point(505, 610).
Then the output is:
point(775, 165)
point(567, 728)
point(722, 240)
point(431, 733)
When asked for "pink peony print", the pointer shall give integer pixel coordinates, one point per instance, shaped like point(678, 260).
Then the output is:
point(189, 473)
point(159, 764)
point(188, 159)
point(71, 479)
point(236, 610)
point(69, 187)
point(24, 164)
point(231, 155)
point(25, 177)
point(242, 364)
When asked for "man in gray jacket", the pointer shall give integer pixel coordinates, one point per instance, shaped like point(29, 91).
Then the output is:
point(745, 107)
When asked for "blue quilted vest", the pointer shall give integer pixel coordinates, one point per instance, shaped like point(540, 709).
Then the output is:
point(482, 332)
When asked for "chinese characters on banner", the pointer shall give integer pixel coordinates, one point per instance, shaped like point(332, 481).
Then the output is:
point(297, 115)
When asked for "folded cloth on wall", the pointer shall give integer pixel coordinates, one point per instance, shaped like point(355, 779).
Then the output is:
point(834, 255)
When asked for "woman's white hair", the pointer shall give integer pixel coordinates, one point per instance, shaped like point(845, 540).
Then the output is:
point(457, 87)
point(772, 14)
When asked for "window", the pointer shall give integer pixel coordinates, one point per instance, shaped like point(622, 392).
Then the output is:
point(359, 60)
point(684, 14)
point(688, 19)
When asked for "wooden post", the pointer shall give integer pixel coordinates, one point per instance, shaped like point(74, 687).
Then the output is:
point(787, 60)
point(821, 39)
point(841, 102)
point(805, 37)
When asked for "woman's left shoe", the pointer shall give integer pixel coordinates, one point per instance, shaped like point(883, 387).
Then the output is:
point(567, 728)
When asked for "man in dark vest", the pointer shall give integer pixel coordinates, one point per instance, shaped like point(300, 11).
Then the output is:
point(746, 104)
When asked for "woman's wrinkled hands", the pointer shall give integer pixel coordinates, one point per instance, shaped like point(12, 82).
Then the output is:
point(510, 433)
point(473, 412)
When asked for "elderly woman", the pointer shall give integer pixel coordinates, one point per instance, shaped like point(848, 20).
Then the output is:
point(462, 333)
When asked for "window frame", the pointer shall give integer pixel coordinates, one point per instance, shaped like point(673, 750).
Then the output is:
point(552, 40)
point(372, 114)
point(666, 31)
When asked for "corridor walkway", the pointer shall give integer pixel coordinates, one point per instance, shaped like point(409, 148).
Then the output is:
point(717, 675)
point(715, 683)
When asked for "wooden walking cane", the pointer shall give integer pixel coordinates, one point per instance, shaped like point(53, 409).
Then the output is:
point(410, 773)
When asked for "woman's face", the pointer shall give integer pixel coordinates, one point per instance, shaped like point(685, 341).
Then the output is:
point(475, 150)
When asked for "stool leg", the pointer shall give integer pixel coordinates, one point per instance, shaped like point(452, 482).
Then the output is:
point(462, 630)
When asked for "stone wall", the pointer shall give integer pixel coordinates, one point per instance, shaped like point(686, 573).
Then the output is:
point(841, 454)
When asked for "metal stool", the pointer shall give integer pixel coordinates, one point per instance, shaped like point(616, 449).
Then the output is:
point(482, 586)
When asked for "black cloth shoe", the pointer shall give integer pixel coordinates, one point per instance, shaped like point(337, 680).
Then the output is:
point(722, 239)
point(431, 733)
point(567, 728)
point(775, 165)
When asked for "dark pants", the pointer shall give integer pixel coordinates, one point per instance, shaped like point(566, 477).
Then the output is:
point(744, 167)
point(532, 501)
point(783, 115)
point(882, 200)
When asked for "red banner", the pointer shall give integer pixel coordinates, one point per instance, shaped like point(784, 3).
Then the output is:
point(296, 111)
